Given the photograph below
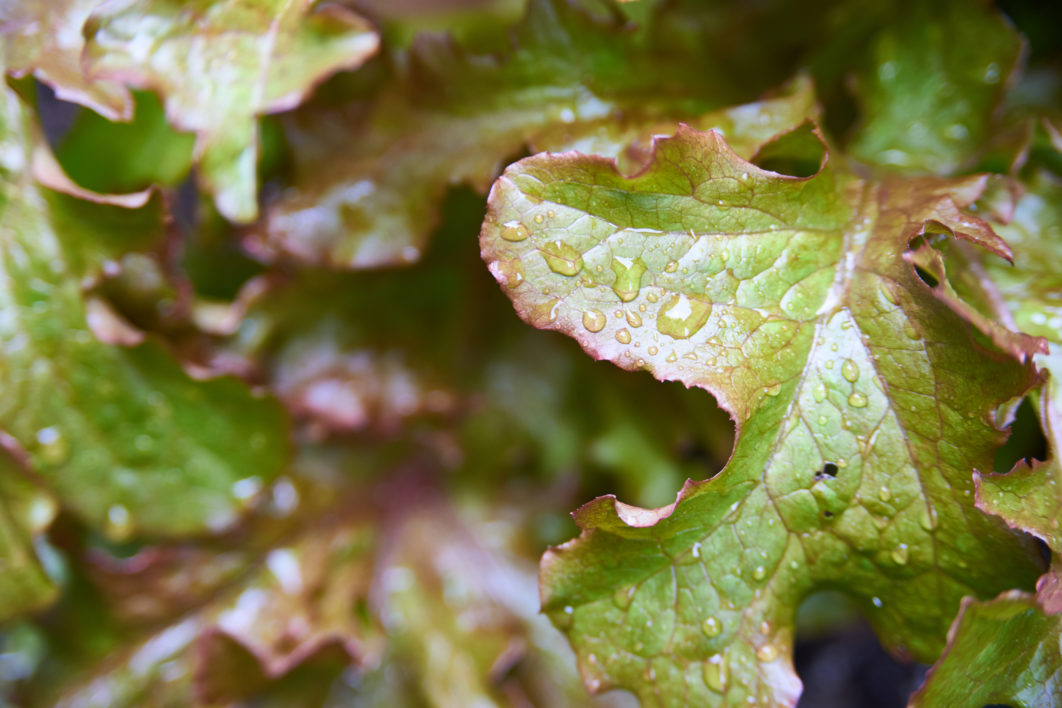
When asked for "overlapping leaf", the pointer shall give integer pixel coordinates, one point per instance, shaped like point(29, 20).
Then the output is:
point(123, 436)
point(453, 117)
point(932, 84)
point(791, 301)
point(220, 64)
point(1010, 646)
point(43, 37)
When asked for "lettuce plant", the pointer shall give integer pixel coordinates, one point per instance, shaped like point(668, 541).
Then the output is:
point(278, 429)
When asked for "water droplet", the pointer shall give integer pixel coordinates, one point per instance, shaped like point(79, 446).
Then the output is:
point(681, 316)
point(672, 358)
point(53, 449)
point(717, 673)
point(884, 494)
point(857, 400)
point(829, 364)
point(819, 392)
point(562, 258)
point(539, 218)
point(671, 267)
point(514, 231)
point(652, 297)
point(593, 320)
point(992, 73)
point(850, 371)
point(899, 554)
point(653, 351)
point(119, 524)
point(822, 420)
point(724, 254)
point(634, 319)
point(773, 389)
point(834, 347)
point(712, 627)
point(622, 597)
point(765, 628)
point(623, 336)
point(760, 573)
point(642, 307)
point(928, 519)
point(876, 601)
point(245, 489)
point(629, 274)
point(767, 653)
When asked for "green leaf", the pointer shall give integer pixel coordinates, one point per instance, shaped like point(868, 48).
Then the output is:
point(930, 90)
point(123, 437)
point(144, 152)
point(1009, 645)
point(43, 37)
point(568, 82)
point(220, 64)
point(26, 510)
point(852, 385)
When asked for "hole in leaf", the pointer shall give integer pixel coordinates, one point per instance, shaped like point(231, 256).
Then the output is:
point(1026, 442)
point(828, 514)
point(840, 661)
point(926, 277)
point(828, 470)
point(798, 153)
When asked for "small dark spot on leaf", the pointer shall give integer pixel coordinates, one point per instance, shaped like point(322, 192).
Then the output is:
point(828, 514)
point(828, 470)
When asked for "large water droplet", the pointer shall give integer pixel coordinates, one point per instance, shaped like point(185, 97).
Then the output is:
point(767, 653)
point(899, 554)
point(671, 267)
point(621, 598)
point(857, 400)
point(760, 573)
point(884, 494)
point(712, 627)
point(629, 272)
point(562, 258)
point(53, 449)
point(634, 319)
point(717, 673)
point(514, 231)
point(681, 317)
point(928, 519)
point(819, 392)
point(119, 524)
point(850, 371)
point(623, 336)
point(594, 320)
point(773, 389)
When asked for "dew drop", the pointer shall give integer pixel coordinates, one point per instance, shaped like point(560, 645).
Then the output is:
point(653, 351)
point(884, 494)
point(928, 519)
point(992, 73)
point(876, 601)
point(594, 320)
point(672, 358)
point(712, 627)
point(829, 364)
point(834, 347)
point(623, 336)
point(857, 400)
point(622, 598)
point(819, 392)
point(850, 371)
point(562, 258)
point(53, 448)
point(629, 274)
point(767, 653)
point(682, 317)
point(634, 319)
point(773, 389)
point(822, 420)
point(899, 554)
point(717, 673)
point(760, 573)
point(652, 297)
point(725, 255)
point(514, 231)
point(119, 523)
point(671, 267)
point(539, 218)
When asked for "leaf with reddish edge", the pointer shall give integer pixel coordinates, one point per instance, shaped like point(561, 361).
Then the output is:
point(43, 38)
point(218, 65)
point(1005, 651)
point(568, 82)
point(860, 420)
